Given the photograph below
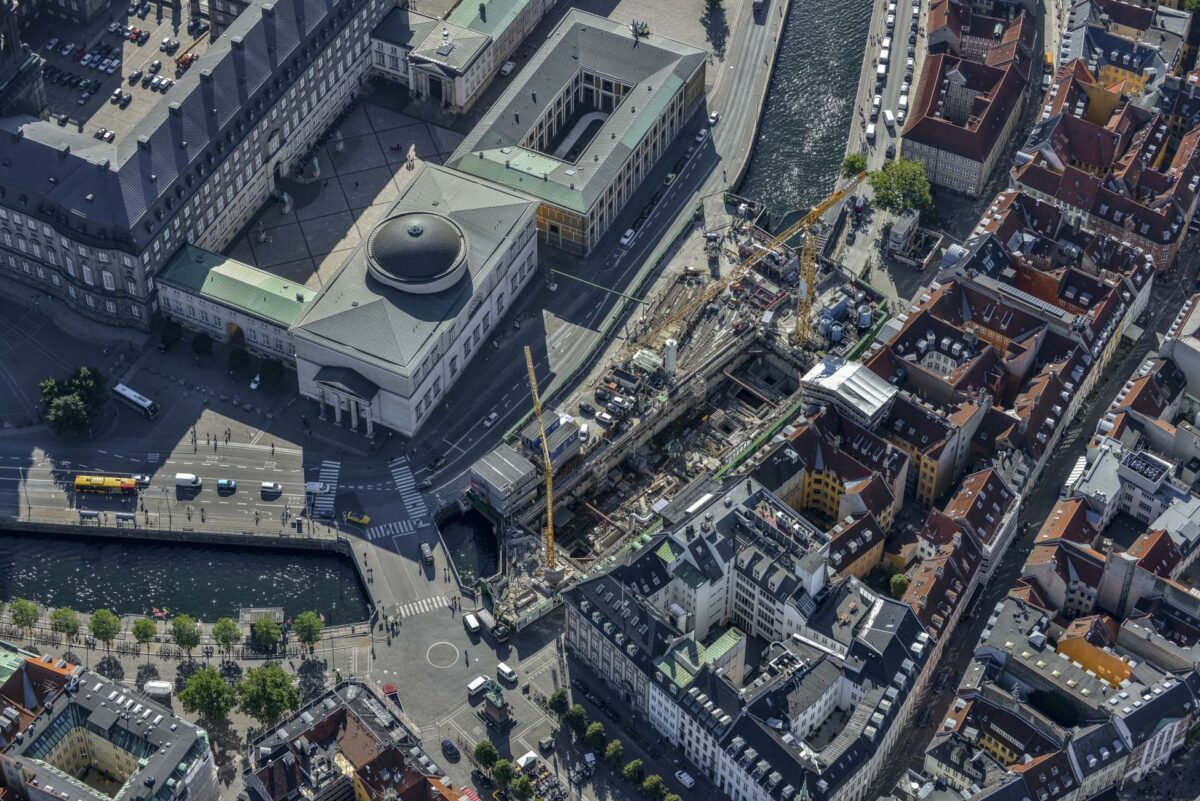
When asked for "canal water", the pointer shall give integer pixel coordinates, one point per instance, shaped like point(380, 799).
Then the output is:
point(207, 582)
point(810, 103)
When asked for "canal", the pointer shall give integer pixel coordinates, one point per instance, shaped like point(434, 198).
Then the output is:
point(207, 582)
point(810, 102)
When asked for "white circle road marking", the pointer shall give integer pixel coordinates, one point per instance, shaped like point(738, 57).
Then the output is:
point(452, 662)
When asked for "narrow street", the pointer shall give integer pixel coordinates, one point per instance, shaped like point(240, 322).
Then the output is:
point(1166, 298)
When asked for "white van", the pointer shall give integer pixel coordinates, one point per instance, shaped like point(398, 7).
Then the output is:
point(476, 686)
point(506, 673)
point(881, 74)
point(885, 55)
point(889, 119)
point(188, 480)
point(871, 132)
point(585, 431)
point(903, 104)
point(471, 623)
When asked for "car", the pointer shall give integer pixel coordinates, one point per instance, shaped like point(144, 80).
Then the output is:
point(226, 485)
point(627, 237)
point(891, 150)
point(714, 118)
point(358, 518)
point(109, 136)
point(425, 484)
point(860, 204)
point(587, 409)
point(891, 21)
point(685, 779)
point(508, 67)
point(701, 135)
point(115, 97)
point(155, 83)
point(908, 66)
point(317, 488)
point(437, 463)
point(143, 37)
point(904, 88)
point(126, 99)
point(52, 44)
point(605, 418)
point(156, 65)
point(141, 479)
point(255, 382)
point(113, 66)
point(850, 236)
point(165, 84)
point(66, 49)
point(270, 487)
point(147, 80)
point(168, 45)
point(135, 76)
point(134, 34)
point(491, 419)
point(450, 750)
point(83, 98)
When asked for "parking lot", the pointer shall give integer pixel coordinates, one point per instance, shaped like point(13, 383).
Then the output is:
point(102, 77)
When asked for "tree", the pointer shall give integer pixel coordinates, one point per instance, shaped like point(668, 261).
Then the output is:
point(614, 753)
point(576, 720)
point(105, 626)
point(671, 797)
point(239, 360)
point(208, 695)
point(853, 164)
point(171, 332)
point(68, 414)
point(267, 692)
point(503, 773)
point(308, 627)
point(897, 585)
point(186, 633)
point(144, 631)
point(24, 615)
point(558, 702)
point(653, 787)
point(521, 789)
point(49, 389)
point(202, 344)
point(266, 633)
point(634, 771)
point(89, 384)
point(486, 754)
point(1191, 5)
point(271, 371)
point(64, 621)
point(226, 634)
point(902, 185)
point(595, 736)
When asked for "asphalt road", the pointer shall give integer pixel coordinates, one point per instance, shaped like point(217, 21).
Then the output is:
point(576, 311)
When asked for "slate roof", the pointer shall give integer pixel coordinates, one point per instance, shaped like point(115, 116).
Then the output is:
point(239, 286)
point(404, 27)
point(656, 68)
point(138, 183)
point(490, 17)
point(393, 329)
point(452, 48)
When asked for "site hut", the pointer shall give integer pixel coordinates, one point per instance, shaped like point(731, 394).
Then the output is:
point(396, 327)
point(91, 223)
point(233, 302)
point(584, 123)
point(562, 438)
point(503, 479)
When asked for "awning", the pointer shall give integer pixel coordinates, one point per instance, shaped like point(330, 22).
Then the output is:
point(470, 795)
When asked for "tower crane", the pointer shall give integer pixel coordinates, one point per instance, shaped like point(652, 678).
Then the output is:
point(808, 269)
point(548, 466)
point(808, 259)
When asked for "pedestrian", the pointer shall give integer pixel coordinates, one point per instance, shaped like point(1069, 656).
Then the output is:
point(272, 448)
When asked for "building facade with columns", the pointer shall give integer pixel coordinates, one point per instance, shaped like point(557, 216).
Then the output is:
point(399, 323)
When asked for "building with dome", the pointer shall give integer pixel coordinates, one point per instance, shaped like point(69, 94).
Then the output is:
point(396, 326)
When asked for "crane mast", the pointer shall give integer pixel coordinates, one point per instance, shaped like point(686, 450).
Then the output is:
point(548, 467)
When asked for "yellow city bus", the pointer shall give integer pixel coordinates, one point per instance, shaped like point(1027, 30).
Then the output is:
point(105, 485)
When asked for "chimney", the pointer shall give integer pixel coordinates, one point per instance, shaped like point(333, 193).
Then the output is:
point(206, 76)
point(237, 43)
point(175, 109)
point(144, 143)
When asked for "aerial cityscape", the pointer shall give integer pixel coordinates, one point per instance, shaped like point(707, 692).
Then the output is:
point(599, 400)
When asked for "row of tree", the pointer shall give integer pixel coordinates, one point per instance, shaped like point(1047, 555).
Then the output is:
point(264, 693)
point(104, 625)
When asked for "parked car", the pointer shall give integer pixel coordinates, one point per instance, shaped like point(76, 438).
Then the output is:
point(125, 101)
point(450, 750)
point(685, 779)
point(135, 76)
point(256, 382)
point(587, 409)
point(508, 67)
point(714, 118)
point(115, 97)
point(605, 418)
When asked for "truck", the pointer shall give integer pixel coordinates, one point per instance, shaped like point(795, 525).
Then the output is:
point(499, 631)
point(889, 119)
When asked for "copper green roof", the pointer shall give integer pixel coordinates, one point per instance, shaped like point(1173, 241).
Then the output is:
point(683, 662)
point(236, 285)
point(669, 550)
point(495, 18)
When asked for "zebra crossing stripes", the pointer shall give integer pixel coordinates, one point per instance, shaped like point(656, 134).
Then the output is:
point(322, 505)
point(406, 485)
point(422, 606)
point(394, 529)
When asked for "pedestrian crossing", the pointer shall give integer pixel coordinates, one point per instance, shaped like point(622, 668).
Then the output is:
point(396, 528)
point(406, 485)
point(322, 505)
point(422, 606)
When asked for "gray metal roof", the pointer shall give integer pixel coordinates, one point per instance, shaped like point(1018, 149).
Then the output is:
point(450, 47)
point(390, 328)
point(143, 179)
point(656, 67)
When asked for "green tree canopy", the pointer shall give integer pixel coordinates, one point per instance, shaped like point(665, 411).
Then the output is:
point(558, 702)
point(653, 787)
point(634, 771)
point(595, 736)
point(853, 164)
point(576, 719)
point(897, 584)
point(144, 631)
point(105, 626)
point(486, 754)
point(69, 414)
point(226, 634)
point(502, 773)
point(266, 633)
point(239, 360)
point(48, 390)
point(267, 692)
point(671, 797)
point(902, 185)
point(89, 384)
point(308, 627)
point(186, 633)
point(202, 344)
point(24, 614)
point(521, 789)
point(208, 695)
point(64, 621)
point(614, 753)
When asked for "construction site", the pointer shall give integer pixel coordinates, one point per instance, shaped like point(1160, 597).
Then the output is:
point(706, 371)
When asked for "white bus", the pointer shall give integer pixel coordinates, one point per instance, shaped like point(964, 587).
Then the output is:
point(147, 407)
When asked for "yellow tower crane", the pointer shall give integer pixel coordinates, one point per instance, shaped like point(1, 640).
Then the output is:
point(548, 466)
point(808, 259)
